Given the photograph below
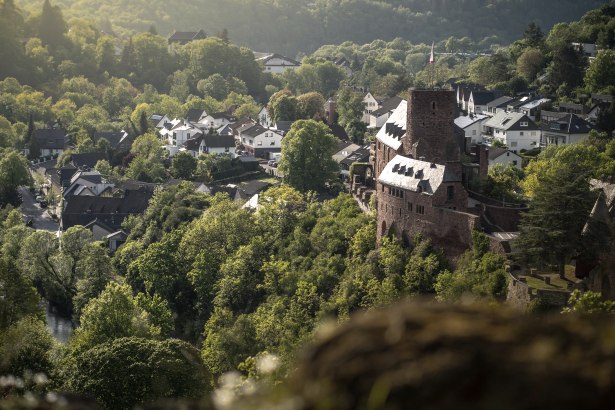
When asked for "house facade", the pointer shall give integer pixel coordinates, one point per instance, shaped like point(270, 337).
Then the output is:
point(515, 130)
point(277, 64)
point(51, 141)
point(378, 117)
point(260, 142)
point(503, 156)
point(472, 126)
point(568, 129)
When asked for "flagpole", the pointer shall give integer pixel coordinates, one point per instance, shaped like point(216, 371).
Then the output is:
point(432, 61)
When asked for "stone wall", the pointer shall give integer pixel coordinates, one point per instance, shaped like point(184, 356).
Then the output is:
point(520, 295)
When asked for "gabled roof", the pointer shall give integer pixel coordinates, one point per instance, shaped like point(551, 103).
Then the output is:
point(219, 141)
point(394, 129)
point(98, 222)
point(510, 121)
point(388, 105)
point(81, 210)
point(87, 160)
point(464, 121)
point(179, 36)
point(194, 114)
point(500, 102)
point(51, 138)
point(496, 152)
point(338, 131)
point(415, 175)
point(225, 130)
point(284, 126)
point(240, 123)
point(360, 155)
point(482, 97)
point(569, 124)
point(269, 57)
point(115, 138)
point(257, 130)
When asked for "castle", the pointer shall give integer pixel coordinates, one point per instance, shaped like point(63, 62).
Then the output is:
point(418, 173)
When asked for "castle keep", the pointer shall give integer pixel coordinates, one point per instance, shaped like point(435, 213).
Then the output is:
point(418, 173)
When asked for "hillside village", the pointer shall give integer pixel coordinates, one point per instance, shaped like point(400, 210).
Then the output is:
point(229, 200)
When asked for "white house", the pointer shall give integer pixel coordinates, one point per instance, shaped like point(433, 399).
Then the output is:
point(177, 136)
point(569, 129)
point(86, 183)
point(378, 117)
point(210, 144)
point(214, 120)
point(264, 119)
point(371, 104)
point(498, 105)
point(515, 130)
point(472, 126)
point(51, 141)
point(478, 100)
point(259, 141)
point(277, 64)
point(502, 156)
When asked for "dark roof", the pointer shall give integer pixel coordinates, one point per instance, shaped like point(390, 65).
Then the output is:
point(222, 114)
point(360, 155)
point(511, 121)
point(284, 126)
point(193, 144)
point(114, 137)
point(240, 123)
point(256, 130)
point(388, 106)
point(500, 102)
point(482, 97)
point(51, 138)
point(338, 131)
point(65, 174)
point(81, 210)
point(194, 115)
point(568, 124)
point(179, 36)
point(219, 141)
point(100, 223)
point(131, 185)
point(87, 160)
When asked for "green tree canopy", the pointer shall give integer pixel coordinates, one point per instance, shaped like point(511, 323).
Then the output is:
point(307, 151)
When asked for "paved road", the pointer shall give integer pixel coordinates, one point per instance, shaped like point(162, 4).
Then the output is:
point(31, 210)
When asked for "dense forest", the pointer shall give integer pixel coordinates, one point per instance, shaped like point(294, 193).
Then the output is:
point(204, 286)
point(292, 26)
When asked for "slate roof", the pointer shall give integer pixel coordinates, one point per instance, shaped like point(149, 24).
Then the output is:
point(184, 36)
point(338, 131)
point(394, 129)
point(568, 124)
point(465, 121)
point(500, 102)
point(87, 160)
point(115, 138)
point(510, 121)
point(81, 210)
point(415, 175)
point(51, 138)
point(360, 155)
point(284, 126)
point(482, 97)
point(194, 115)
point(388, 105)
point(241, 123)
point(219, 141)
point(256, 130)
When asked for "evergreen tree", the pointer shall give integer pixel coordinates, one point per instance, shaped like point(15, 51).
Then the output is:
point(534, 36)
point(152, 30)
point(30, 131)
point(551, 230)
point(127, 59)
point(143, 124)
point(52, 26)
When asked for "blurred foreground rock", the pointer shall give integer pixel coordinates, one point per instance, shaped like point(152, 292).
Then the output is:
point(433, 356)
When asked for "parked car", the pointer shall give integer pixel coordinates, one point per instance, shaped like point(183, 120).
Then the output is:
point(43, 204)
point(39, 198)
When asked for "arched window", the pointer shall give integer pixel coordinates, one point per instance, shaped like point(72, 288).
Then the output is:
point(433, 105)
point(384, 228)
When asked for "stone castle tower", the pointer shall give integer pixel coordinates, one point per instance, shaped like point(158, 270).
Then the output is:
point(430, 134)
